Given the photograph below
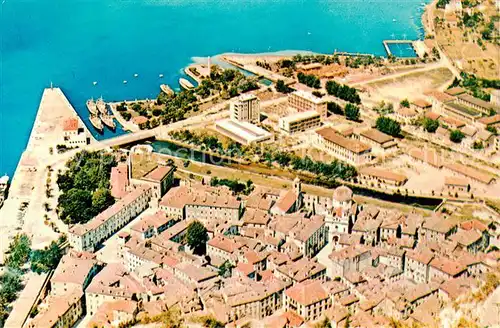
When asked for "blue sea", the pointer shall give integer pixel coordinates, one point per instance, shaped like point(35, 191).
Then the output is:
point(75, 42)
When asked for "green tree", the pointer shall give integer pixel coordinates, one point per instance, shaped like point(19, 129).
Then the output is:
point(405, 103)
point(456, 136)
point(196, 236)
point(44, 260)
point(430, 125)
point(75, 206)
point(18, 252)
point(492, 129)
point(325, 323)
point(10, 283)
point(389, 126)
point(351, 112)
point(101, 199)
point(282, 87)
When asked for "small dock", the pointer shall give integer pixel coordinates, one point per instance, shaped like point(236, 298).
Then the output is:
point(386, 44)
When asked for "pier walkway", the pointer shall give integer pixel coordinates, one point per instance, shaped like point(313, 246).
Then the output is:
point(24, 209)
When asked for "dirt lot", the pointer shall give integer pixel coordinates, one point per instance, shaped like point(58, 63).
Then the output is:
point(410, 86)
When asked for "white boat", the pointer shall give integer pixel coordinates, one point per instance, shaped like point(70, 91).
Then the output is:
point(136, 75)
point(101, 106)
point(92, 107)
point(108, 121)
point(124, 81)
point(185, 84)
point(161, 75)
point(394, 19)
point(94, 83)
point(166, 89)
point(96, 123)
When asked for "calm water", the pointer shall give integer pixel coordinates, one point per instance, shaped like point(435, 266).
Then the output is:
point(73, 43)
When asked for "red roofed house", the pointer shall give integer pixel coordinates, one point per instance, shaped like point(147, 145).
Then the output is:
point(308, 299)
point(444, 268)
point(73, 134)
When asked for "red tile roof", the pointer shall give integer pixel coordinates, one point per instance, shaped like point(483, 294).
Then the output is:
point(307, 292)
point(70, 124)
point(159, 173)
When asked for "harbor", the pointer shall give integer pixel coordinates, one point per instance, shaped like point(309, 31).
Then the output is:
point(407, 52)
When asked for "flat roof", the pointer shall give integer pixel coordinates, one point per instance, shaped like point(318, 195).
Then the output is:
point(309, 96)
point(300, 116)
point(244, 130)
point(246, 96)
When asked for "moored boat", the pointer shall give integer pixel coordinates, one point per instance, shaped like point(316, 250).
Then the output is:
point(92, 107)
point(96, 123)
point(108, 121)
point(101, 106)
point(185, 84)
point(4, 185)
point(166, 89)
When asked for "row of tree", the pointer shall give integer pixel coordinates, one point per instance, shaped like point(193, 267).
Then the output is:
point(343, 92)
point(310, 80)
point(388, 126)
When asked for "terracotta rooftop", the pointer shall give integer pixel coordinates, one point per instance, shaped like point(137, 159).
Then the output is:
point(455, 91)
point(104, 216)
point(471, 172)
point(421, 103)
point(377, 136)
point(200, 195)
point(159, 173)
point(352, 145)
point(430, 157)
point(440, 96)
point(489, 120)
point(432, 116)
point(456, 181)
point(70, 124)
point(447, 266)
point(286, 201)
point(119, 180)
point(73, 270)
point(383, 174)
point(473, 224)
point(307, 292)
point(139, 120)
point(439, 224)
point(226, 244)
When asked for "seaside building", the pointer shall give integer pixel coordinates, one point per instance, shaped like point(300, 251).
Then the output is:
point(349, 150)
point(245, 108)
point(304, 101)
point(87, 236)
point(242, 132)
point(300, 122)
point(74, 135)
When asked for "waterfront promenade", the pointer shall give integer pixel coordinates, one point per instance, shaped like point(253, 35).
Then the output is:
point(24, 208)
